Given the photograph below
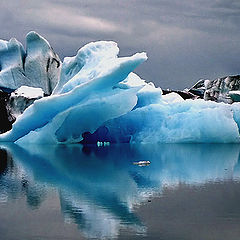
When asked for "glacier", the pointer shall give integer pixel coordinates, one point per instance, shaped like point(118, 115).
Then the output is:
point(96, 97)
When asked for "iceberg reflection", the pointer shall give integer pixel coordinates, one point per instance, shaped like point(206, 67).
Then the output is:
point(99, 187)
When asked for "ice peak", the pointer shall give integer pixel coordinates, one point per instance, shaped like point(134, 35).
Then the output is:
point(34, 41)
point(38, 66)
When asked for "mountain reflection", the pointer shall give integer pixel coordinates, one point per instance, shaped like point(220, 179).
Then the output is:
point(99, 187)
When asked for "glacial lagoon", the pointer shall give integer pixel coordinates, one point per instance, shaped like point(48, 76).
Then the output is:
point(189, 191)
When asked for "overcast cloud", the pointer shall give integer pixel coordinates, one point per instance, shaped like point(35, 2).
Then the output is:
point(185, 40)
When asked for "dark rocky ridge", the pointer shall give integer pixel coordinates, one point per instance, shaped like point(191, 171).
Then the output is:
point(6, 118)
point(218, 90)
point(184, 94)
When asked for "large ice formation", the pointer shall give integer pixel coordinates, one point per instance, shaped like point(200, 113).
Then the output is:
point(38, 67)
point(99, 98)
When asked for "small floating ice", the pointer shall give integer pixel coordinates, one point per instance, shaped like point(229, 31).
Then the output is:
point(142, 163)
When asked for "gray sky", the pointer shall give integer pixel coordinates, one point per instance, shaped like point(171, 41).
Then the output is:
point(185, 40)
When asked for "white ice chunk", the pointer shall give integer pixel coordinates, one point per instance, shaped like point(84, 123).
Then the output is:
point(172, 98)
point(28, 92)
point(149, 94)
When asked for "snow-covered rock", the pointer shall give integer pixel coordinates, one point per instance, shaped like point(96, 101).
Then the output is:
point(22, 98)
point(38, 67)
point(28, 92)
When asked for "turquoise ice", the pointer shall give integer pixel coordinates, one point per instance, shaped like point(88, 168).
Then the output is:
point(97, 90)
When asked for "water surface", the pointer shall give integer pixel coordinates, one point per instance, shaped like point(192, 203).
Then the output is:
point(189, 191)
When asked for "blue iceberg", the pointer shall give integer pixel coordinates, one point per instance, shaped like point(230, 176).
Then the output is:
point(98, 98)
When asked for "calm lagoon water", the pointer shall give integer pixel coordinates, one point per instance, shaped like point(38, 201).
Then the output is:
point(189, 191)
